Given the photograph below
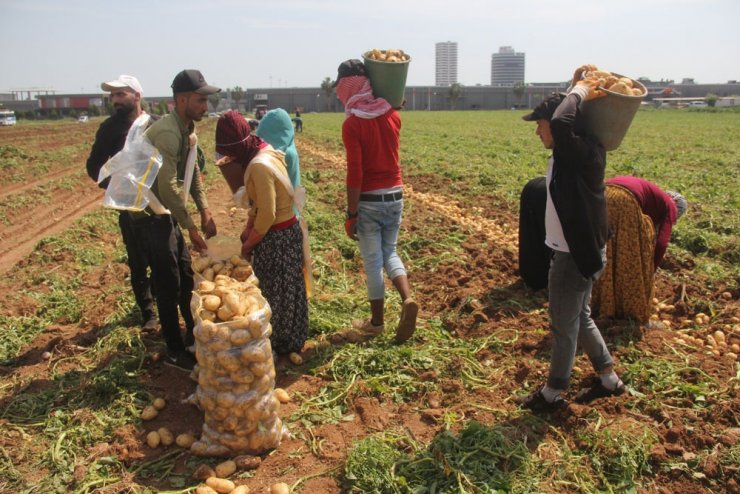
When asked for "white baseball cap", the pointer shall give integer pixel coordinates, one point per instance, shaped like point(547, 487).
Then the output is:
point(128, 81)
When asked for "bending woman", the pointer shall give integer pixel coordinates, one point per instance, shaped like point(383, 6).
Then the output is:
point(258, 178)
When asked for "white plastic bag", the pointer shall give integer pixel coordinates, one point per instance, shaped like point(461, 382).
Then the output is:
point(132, 172)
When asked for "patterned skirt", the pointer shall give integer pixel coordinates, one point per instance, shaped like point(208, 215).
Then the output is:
point(625, 288)
point(278, 264)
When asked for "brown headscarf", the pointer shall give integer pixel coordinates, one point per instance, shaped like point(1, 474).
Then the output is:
point(234, 138)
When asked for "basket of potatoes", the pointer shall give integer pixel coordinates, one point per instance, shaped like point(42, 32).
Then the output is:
point(609, 114)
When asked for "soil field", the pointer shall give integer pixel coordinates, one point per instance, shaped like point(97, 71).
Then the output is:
point(366, 415)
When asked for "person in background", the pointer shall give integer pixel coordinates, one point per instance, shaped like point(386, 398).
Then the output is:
point(298, 121)
point(576, 230)
point(641, 218)
point(161, 236)
point(125, 95)
point(371, 135)
point(258, 177)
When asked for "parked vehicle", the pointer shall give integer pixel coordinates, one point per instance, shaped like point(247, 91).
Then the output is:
point(7, 117)
point(83, 119)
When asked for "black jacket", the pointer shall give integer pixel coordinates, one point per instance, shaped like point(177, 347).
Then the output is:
point(577, 187)
point(109, 139)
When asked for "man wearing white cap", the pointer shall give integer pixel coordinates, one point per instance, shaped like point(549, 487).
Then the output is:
point(125, 95)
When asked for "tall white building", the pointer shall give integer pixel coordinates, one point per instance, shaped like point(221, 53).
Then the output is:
point(446, 66)
point(507, 67)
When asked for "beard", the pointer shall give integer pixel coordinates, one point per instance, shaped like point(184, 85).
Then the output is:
point(195, 116)
point(124, 109)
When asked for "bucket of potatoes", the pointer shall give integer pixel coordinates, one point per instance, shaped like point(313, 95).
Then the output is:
point(609, 111)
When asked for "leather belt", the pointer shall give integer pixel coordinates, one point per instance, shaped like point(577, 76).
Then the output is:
point(395, 196)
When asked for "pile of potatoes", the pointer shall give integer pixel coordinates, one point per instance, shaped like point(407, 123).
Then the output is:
point(392, 55)
point(614, 83)
point(718, 342)
point(235, 371)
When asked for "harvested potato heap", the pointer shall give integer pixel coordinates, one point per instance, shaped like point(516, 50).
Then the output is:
point(614, 82)
point(392, 55)
point(235, 371)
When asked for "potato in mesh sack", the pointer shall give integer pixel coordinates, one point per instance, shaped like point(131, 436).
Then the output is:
point(235, 371)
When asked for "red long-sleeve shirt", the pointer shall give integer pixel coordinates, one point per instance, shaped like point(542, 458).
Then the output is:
point(656, 204)
point(372, 151)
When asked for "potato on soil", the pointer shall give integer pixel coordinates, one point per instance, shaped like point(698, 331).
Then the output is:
point(149, 413)
point(185, 440)
point(165, 436)
point(153, 439)
point(295, 358)
point(203, 472)
point(280, 488)
point(282, 395)
point(222, 486)
point(240, 489)
point(225, 469)
point(204, 489)
point(159, 403)
point(247, 462)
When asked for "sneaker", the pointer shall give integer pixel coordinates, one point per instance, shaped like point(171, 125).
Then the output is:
point(536, 402)
point(180, 359)
point(407, 322)
point(598, 390)
point(368, 327)
point(150, 325)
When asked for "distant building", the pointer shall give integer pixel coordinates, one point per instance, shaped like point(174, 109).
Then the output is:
point(446, 63)
point(507, 67)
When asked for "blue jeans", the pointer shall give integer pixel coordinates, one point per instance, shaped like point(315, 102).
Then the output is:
point(377, 231)
point(570, 319)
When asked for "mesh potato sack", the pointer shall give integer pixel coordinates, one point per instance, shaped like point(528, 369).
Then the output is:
point(235, 370)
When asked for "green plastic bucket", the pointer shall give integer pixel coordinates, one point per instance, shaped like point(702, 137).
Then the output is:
point(388, 79)
point(608, 118)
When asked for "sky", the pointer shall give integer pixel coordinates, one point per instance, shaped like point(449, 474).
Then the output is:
point(72, 46)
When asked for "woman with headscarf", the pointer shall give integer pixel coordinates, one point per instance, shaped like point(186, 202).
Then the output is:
point(371, 135)
point(276, 128)
point(258, 178)
point(641, 217)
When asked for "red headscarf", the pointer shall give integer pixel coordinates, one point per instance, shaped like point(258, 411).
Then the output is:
point(356, 94)
point(234, 138)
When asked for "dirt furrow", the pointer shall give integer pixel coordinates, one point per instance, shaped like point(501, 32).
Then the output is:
point(44, 222)
point(17, 188)
point(470, 218)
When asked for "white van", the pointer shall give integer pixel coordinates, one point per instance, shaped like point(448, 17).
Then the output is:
point(7, 117)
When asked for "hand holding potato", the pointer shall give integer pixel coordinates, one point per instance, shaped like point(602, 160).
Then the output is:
point(578, 74)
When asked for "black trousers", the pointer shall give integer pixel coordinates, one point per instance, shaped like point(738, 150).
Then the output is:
point(161, 241)
point(137, 263)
